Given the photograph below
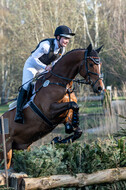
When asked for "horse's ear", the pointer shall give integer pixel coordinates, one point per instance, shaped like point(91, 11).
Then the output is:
point(99, 49)
point(89, 48)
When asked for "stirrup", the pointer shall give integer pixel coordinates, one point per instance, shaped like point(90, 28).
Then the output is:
point(19, 119)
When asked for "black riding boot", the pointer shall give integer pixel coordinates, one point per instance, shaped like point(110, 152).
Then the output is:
point(22, 98)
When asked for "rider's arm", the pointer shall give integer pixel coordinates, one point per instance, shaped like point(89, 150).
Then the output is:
point(53, 62)
point(42, 49)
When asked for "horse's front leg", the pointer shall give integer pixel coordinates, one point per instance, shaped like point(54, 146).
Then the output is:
point(70, 120)
point(58, 108)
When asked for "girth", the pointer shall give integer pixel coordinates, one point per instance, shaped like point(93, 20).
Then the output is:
point(33, 106)
point(39, 113)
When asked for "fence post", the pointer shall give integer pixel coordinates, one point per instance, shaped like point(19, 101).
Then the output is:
point(4, 150)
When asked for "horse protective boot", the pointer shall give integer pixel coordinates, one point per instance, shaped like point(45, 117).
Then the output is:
point(68, 128)
point(75, 119)
point(22, 98)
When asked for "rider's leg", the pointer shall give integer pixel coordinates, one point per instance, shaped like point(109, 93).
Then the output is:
point(22, 98)
point(28, 73)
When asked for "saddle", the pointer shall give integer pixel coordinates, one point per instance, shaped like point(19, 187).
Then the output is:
point(30, 92)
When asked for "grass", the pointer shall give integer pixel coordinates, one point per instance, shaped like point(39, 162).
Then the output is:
point(4, 187)
point(90, 107)
point(90, 121)
point(119, 98)
point(3, 109)
point(93, 110)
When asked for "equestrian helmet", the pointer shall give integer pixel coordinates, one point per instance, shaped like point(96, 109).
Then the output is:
point(64, 31)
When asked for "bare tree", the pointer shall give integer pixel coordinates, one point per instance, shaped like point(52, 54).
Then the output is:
point(24, 23)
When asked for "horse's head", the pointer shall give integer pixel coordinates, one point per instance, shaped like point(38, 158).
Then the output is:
point(92, 69)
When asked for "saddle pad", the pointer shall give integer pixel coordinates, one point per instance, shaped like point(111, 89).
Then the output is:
point(13, 105)
point(6, 126)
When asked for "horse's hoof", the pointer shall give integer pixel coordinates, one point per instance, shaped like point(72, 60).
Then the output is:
point(78, 132)
point(68, 128)
point(56, 140)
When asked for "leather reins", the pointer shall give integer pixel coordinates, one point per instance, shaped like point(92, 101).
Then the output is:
point(88, 72)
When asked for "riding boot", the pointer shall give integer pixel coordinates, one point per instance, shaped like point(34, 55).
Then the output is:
point(22, 98)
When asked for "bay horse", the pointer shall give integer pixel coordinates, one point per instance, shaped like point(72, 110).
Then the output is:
point(49, 99)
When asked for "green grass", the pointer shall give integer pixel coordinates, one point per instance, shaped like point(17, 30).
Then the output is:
point(119, 98)
point(4, 187)
point(94, 110)
point(89, 107)
point(3, 109)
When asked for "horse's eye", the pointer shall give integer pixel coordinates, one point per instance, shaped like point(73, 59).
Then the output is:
point(91, 64)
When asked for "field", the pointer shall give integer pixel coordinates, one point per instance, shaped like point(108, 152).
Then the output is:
point(3, 108)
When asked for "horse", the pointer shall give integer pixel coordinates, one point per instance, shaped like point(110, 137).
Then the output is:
point(49, 107)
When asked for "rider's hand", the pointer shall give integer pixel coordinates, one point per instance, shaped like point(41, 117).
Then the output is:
point(48, 68)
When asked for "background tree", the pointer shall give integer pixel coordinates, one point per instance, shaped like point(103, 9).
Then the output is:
point(24, 23)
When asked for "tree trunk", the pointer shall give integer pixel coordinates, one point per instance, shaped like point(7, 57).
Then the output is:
point(96, 24)
point(4, 68)
point(83, 14)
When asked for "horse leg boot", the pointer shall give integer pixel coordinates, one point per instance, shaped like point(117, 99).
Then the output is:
point(22, 98)
point(72, 121)
point(75, 123)
point(68, 120)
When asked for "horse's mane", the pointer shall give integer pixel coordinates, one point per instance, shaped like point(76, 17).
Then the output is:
point(71, 51)
point(66, 54)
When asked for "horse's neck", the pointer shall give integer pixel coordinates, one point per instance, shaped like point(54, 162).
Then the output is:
point(68, 66)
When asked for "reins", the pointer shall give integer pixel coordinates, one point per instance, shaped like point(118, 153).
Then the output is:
point(79, 81)
point(82, 81)
point(68, 79)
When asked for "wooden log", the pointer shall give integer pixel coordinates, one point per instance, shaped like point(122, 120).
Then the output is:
point(82, 179)
point(2, 178)
point(15, 179)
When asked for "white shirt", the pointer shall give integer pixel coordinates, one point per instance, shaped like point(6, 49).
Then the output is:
point(44, 48)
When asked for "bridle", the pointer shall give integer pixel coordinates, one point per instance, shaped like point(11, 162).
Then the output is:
point(96, 60)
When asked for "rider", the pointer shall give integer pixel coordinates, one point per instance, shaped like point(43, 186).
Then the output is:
point(46, 54)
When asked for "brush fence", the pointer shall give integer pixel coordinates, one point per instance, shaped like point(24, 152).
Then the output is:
point(20, 181)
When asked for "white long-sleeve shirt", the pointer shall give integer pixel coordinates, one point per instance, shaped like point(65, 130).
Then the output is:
point(44, 48)
point(33, 65)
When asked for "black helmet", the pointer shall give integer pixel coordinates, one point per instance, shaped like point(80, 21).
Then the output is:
point(64, 31)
